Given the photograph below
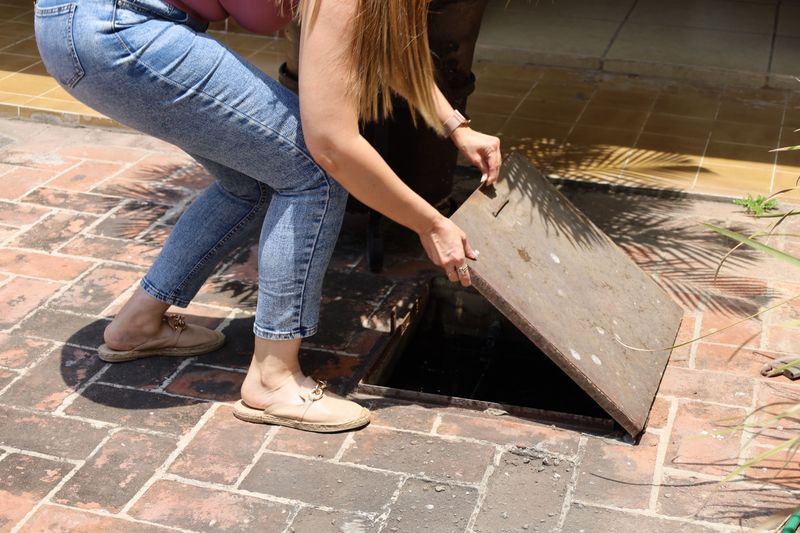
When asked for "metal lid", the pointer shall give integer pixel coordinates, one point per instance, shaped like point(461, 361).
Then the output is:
point(571, 290)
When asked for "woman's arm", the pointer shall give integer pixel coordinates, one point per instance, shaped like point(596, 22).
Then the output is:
point(330, 125)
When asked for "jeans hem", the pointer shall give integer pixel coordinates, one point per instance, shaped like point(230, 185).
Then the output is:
point(151, 289)
point(273, 335)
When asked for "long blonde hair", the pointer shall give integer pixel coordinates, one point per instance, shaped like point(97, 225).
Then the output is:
point(390, 54)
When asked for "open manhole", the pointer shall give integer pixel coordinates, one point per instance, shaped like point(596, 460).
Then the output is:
point(598, 329)
point(456, 348)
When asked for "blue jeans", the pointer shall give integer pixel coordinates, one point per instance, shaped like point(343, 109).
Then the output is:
point(150, 66)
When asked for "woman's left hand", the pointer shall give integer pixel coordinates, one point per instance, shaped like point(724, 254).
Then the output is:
point(481, 150)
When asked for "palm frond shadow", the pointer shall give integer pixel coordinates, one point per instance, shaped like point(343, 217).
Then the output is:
point(656, 227)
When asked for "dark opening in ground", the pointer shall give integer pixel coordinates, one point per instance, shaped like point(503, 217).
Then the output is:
point(458, 345)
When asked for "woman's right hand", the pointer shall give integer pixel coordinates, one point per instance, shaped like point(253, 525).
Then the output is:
point(447, 247)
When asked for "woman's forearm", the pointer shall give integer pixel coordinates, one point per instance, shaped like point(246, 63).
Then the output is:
point(354, 163)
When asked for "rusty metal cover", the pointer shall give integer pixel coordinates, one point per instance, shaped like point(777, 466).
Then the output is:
point(571, 290)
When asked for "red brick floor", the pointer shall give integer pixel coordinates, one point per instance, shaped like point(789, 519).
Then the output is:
point(152, 446)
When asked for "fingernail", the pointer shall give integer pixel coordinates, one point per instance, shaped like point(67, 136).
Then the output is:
point(484, 178)
point(476, 253)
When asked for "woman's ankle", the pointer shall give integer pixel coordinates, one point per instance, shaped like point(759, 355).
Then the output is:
point(137, 321)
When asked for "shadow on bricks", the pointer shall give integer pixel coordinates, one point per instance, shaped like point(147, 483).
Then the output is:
point(167, 383)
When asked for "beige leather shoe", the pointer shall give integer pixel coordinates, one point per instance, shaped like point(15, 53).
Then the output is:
point(176, 339)
point(321, 411)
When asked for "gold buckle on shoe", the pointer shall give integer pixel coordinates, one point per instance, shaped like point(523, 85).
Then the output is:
point(176, 322)
point(318, 391)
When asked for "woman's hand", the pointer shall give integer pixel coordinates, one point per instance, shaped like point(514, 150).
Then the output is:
point(481, 150)
point(447, 247)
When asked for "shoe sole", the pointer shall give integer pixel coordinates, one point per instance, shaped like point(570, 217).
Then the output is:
point(120, 356)
point(256, 416)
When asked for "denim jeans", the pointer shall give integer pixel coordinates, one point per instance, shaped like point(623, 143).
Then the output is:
point(148, 65)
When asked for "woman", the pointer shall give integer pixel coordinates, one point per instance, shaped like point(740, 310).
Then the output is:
point(278, 162)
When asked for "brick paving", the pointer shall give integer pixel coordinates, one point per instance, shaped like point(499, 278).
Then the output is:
point(152, 446)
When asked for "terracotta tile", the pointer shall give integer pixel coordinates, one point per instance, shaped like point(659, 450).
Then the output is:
point(208, 383)
point(678, 126)
point(321, 445)
point(514, 87)
point(103, 152)
point(30, 84)
point(56, 519)
point(618, 474)
point(731, 110)
point(731, 359)
point(572, 90)
point(95, 291)
point(733, 180)
point(487, 123)
point(397, 415)
point(566, 111)
point(522, 129)
point(138, 409)
point(72, 200)
point(37, 68)
point(593, 135)
point(11, 99)
point(492, 103)
point(592, 162)
point(625, 99)
point(11, 63)
point(747, 333)
point(53, 232)
point(20, 181)
point(86, 175)
point(116, 472)
point(697, 106)
point(781, 468)
point(321, 483)
point(24, 480)
point(612, 117)
point(231, 456)
point(738, 154)
point(688, 147)
point(17, 352)
point(166, 503)
point(509, 430)
point(773, 420)
point(405, 452)
point(659, 413)
point(53, 104)
point(42, 265)
point(765, 135)
point(718, 387)
point(739, 503)
point(24, 47)
point(20, 296)
point(704, 439)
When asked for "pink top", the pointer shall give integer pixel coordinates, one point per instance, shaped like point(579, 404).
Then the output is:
point(258, 16)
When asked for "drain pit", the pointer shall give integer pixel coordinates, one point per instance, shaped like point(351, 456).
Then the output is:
point(456, 348)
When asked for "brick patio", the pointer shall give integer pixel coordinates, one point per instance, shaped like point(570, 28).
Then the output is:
point(152, 446)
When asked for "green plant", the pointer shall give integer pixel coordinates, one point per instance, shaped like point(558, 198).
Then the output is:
point(752, 422)
point(759, 205)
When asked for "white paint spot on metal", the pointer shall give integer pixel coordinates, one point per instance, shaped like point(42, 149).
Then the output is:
point(596, 360)
point(560, 293)
point(600, 330)
point(555, 258)
point(575, 355)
